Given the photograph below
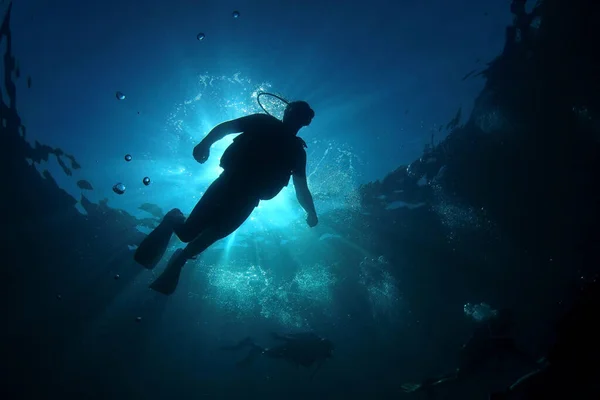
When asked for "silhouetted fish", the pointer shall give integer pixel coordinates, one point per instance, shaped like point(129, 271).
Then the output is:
point(85, 185)
point(152, 209)
point(469, 74)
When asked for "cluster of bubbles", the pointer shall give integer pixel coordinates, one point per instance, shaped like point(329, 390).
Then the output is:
point(202, 35)
point(334, 173)
point(459, 218)
point(479, 312)
point(241, 290)
point(382, 288)
point(119, 187)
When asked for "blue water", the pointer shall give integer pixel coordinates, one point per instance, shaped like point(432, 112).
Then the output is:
point(382, 76)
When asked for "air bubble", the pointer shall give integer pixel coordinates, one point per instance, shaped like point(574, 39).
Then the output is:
point(119, 188)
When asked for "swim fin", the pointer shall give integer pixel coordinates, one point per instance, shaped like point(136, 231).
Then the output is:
point(166, 283)
point(153, 247)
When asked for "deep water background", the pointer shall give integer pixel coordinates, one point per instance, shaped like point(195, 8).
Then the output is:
point(396, 256)
point(361, 66)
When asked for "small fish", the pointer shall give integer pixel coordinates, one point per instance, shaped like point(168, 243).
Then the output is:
point(85, 185)
point(28, 82)
point(152, 209)
point(469, 74)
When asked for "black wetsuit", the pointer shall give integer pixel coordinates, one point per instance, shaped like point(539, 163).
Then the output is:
point(257, 166)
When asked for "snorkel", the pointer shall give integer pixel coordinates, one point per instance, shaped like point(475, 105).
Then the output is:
point(272, 95)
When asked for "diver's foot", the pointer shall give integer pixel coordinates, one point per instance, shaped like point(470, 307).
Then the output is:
point(175, 216)
point(166, 283)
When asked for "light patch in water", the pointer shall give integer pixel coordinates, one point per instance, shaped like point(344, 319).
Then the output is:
point(80, 208)
point(241, 290)
point(315, 283)
point(382, 289)
point(479, 312)
point(457, 217)
point(399, 204)
point(328, 236)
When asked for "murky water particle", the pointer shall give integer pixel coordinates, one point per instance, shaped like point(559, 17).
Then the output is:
point(119, 188)
point(235, 14)
point(120, 96)
point(200, 36)
point(146, 181)
point(128, 157)
point(59, 297)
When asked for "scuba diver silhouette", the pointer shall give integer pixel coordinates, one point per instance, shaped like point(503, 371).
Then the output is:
point(300, 349)
point(571, 368)
point(490, 341)
point(256, 166)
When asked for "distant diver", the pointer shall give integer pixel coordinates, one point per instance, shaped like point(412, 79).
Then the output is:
point(256, 166)
point(491, 340)
point(300, 349)
point(571, 369)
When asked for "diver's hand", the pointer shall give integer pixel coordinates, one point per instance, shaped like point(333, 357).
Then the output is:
point(312, 220)
point(201, 152)
point(411, 387)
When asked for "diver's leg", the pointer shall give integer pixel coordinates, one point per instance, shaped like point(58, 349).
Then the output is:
point(153, 247)
point(506, 347)
point(229, 218)
point(220, 225)
point(167, 281)
point(204, 211)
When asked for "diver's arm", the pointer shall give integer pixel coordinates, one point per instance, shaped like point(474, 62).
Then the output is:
point(238, 125)
point(302, 193)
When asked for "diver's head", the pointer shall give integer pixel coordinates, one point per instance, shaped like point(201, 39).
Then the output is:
point(298, 114)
